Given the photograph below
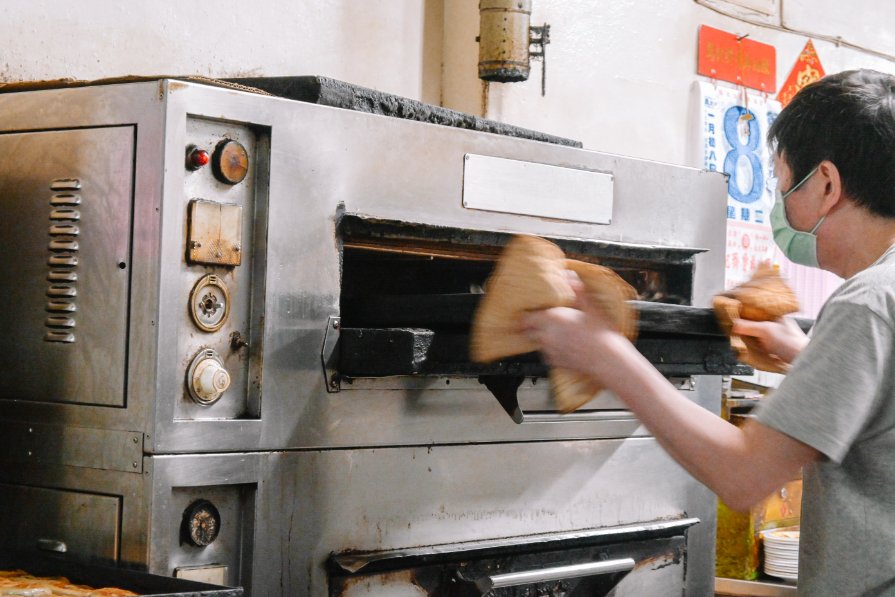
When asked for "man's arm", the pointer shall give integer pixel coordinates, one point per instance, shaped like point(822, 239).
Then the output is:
point(742, 466)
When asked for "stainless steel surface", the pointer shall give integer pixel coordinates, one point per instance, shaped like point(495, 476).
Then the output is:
point(752, 588)
point(60, 521)
point(215, 575)
point(106, 449)
point(91, 338)
point(514, 579)
point(355, 562)
point(436, 496)
point(225, 220)
point(526, 188)
point(52, 545)
point(234, 483)
point(299, 468)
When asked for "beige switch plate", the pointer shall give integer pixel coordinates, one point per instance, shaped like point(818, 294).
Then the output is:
point(215, 233)
point(212, 574)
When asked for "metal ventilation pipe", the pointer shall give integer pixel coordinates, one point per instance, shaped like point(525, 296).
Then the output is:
point(504, 39)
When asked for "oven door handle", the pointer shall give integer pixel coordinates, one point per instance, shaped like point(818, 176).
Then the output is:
point(514, 579)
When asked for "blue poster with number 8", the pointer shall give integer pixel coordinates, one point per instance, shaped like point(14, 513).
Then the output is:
point(732, 129)
point(743, 134)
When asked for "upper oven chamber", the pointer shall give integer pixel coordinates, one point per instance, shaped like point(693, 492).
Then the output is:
point(308, 166)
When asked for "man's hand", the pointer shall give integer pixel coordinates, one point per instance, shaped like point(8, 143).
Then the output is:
point(573, 338)
point(783, 337)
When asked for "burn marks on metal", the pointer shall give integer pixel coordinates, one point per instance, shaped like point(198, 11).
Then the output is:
point(331, 92)
point(353, 227)
point(545, 565)
point(372, 352)
point(201, 524)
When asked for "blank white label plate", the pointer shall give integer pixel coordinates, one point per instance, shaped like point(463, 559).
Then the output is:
point(532, 189)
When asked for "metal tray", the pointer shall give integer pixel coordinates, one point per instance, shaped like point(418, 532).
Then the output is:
point(142, 583)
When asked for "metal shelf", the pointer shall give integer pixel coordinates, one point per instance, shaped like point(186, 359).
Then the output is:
point(753, 588)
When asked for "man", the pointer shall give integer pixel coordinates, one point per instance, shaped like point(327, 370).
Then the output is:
point(834, 413)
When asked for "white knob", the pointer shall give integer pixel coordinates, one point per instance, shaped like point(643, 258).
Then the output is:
point(210, 380)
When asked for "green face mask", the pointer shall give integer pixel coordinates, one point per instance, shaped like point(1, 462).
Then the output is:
point(799, 247)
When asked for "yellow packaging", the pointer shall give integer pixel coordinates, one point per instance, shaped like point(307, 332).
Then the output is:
point(737, 553)
point(737, 544)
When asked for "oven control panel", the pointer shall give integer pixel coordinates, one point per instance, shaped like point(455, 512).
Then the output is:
point(222, 215)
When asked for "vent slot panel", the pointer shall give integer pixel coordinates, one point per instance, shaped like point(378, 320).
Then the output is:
point(62, 282)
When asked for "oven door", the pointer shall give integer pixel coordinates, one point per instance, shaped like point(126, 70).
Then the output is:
point(647, 559)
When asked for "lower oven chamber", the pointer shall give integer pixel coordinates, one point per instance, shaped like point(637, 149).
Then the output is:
point(386, 521)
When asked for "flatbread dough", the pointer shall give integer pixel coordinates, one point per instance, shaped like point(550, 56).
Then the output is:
point(533, 274)
point(19, 582)
point(764, 297)
point(529, 275)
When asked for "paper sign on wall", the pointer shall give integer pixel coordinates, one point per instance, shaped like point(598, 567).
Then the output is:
point(733, 130)
point(736, 59)
point(807, 69)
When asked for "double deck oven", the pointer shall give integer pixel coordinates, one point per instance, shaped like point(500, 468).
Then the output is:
point(234, 349)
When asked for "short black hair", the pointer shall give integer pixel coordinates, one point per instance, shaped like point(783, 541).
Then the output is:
point(849, 119)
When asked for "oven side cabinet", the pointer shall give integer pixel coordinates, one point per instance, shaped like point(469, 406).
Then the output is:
point(66, 204)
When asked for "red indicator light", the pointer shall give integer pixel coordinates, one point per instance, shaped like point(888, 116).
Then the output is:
point(196, 158)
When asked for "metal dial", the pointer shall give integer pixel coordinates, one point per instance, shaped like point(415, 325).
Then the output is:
point(207, 379)
point(210, 303)
point(201, 523)
point(230, 161)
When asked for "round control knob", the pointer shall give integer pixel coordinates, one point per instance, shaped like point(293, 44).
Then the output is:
point(210, 303)
point(207, 378)
point(201, 523)
point(230, 161)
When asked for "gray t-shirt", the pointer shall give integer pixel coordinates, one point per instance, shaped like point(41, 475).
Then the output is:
point(839, 398)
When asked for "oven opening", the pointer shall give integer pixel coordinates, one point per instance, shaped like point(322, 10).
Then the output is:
point(423, 277)
point(436, 285)
point(409, 292)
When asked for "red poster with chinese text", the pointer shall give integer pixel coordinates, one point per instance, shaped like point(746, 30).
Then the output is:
point(807, 69)
point(737, 59)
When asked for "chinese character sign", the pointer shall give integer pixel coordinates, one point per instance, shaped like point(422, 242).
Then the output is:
point(733, 130)
point(724, 56)
point(807, 69)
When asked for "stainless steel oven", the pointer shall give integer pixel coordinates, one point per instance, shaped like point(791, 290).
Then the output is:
point(233, 349)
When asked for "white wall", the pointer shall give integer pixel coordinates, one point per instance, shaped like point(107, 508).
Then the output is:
point(375, 43)
point(619, 73)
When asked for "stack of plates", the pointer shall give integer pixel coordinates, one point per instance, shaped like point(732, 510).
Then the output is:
point(781, 553)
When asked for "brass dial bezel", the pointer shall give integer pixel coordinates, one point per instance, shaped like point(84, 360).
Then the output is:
point(209, 281)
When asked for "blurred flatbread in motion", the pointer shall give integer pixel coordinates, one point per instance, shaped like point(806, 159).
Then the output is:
point(610, 292)
point(764, 297)
point(529, 275)
point(607, 290)
point(533, 274)
point(572, 390)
